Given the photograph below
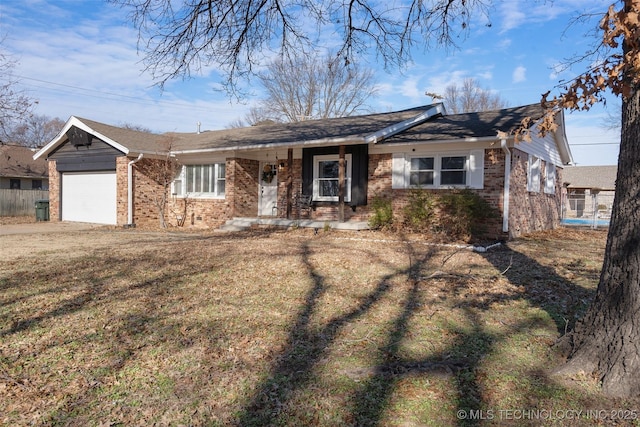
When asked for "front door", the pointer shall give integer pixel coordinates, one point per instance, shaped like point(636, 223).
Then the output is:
point(268, 190)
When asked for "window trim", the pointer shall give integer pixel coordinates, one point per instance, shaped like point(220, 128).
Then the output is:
point(179, 184)
point(437, 169)
point(316, 172)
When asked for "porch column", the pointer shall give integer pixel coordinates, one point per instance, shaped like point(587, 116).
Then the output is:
point(289, 180)
point(341, 184)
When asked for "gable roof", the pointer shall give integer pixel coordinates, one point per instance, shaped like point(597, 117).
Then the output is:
point(128, 141)
point(426, 123)
point(17, 161)
point(470, 126)
point(600, 177)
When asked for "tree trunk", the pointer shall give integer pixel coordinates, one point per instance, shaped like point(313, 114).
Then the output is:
point(607, 340)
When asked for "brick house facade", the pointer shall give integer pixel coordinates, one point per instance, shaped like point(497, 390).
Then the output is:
point(222, 171)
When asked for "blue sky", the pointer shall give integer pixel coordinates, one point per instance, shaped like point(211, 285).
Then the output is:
point(80, 57)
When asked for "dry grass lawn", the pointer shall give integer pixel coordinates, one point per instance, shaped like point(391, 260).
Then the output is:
point(113, 327)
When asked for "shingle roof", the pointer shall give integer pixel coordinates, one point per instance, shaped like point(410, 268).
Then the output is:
point(470, 125)
point(134, 140)
point(344, 130)
point(17, 161)
point(354, 127)
point(602, 177)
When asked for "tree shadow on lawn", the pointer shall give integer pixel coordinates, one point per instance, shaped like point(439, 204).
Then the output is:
point(67, 292)
point(460, 361)
point(305, 347)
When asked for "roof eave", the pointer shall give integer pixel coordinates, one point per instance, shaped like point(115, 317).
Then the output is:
point(294, 144)
point(61, 137)
point(562, 141)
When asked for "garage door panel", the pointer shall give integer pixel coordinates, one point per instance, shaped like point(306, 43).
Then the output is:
point(89, 197)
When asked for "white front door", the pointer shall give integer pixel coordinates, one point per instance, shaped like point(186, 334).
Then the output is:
point(268, 190)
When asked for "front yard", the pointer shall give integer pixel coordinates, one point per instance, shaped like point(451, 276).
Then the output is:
point(292, 328)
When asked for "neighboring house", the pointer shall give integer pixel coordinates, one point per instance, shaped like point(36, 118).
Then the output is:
point(589, 190)
point(19, 170)
point(99, 173)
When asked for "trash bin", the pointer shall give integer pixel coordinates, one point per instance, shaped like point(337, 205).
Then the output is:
point(42, 210)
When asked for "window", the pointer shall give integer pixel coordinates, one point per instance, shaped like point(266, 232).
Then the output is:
point(438, 171)
point(14, 184)
point(533, 174)
point(422, 171)
point(453, 170)
point(200, 181)
point(550, 179)
point(325, 177)
point(36, 184)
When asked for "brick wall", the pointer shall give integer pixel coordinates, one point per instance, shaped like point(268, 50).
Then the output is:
point(122, 190)
point(54, 192)
point(242, 186)
point(531, 211)
point(380, 175)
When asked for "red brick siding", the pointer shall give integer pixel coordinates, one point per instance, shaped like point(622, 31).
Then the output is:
point(122, 190)
point(531, 211)
point(380, 175)
point(242, 186)
point(54, 192)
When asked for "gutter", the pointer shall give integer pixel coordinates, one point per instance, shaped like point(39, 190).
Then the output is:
point(130, 190)
point(507, 180)
point(325, 141)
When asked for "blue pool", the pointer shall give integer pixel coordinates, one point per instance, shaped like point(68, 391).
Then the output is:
point(585, 221)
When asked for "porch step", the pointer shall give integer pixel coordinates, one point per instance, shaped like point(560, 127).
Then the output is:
point(241, 224)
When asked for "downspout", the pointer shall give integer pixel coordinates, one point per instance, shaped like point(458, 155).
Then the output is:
point(507, 179)
point(130, 190)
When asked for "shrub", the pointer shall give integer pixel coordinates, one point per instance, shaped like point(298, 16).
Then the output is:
point(418, 213)
point(382, 216)
point(463, 213)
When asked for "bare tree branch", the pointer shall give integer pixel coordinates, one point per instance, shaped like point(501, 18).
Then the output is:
point(237, 37)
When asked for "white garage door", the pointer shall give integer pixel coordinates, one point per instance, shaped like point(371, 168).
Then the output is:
point(89, 197)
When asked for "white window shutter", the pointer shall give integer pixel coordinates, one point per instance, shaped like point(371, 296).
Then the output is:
point(398, 173)
point(550, 181)
point(476, 169)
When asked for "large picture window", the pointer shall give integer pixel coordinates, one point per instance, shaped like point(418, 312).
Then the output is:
point(325, 177)
point(201, 181)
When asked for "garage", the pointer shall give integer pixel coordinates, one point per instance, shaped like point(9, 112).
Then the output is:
point(89, 197)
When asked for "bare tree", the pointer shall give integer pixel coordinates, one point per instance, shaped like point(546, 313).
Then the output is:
point(162, 171)
point(315, 88)
point(180, 38)
point(470, 96)
point(256, 116)
point(35, 130)
point(15, 104)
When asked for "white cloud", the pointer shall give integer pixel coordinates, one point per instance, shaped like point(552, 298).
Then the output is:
point(519, 74)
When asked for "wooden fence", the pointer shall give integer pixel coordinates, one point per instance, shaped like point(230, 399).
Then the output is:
point(20, 202)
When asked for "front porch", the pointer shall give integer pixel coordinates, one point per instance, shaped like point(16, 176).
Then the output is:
point(244, 223)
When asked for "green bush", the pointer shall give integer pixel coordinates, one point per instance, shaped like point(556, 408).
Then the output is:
point(463, 213)
point(418, 213)
point(382, 216)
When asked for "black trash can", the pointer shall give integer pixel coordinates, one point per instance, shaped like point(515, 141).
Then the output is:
point(42, 210)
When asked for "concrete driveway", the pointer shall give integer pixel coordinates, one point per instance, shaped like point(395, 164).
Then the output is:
point(42, 227)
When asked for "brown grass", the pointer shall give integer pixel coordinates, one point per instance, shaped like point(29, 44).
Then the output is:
point(272, 327)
